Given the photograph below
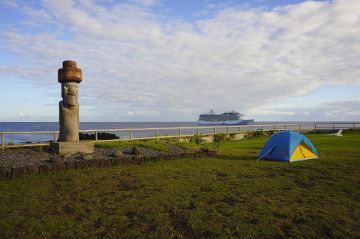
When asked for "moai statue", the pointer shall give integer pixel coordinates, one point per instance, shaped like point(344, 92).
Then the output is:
point(69, 76)
point(68, 143)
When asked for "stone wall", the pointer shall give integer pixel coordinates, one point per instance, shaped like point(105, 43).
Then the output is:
point(7, 173)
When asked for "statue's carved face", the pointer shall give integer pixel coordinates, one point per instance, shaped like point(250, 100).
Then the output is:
point(69, 93)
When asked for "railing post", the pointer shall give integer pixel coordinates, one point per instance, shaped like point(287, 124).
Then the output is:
point(262, 128)
point(197, 131)
point(315, 126)
point(274, 127)
point(333, 126)
point(299, 128)
point(214, 130)
point(179, 133)
point(96, 136)
point(131, 134)
point(55, 138)
point(227, 129)
point(353, 125)
point(3, 141)
point(157, 133)
point(239, 129)
point(285, 127)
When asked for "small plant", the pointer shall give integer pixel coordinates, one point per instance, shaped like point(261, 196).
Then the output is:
point(197, 139)
point(258, 134)
point(218, 139)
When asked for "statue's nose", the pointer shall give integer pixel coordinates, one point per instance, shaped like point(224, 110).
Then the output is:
point(71, 91)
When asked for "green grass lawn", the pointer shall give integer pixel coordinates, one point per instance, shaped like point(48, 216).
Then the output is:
point(232, 195)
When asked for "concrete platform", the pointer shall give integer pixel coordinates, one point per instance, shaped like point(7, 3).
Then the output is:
point(63, 148)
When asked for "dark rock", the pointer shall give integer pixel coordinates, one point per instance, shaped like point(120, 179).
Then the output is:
point(52, 159)
point(205, 150)
point(32, 169)
point(100, 163)
point(140, 159)
point(107, 163)
point(86, 136)
point(104, 163)
point(116, 161)
point(46, 168)
point(135, 150)
point(86, 156)
point(18, 172)
point(101, 136)
point(59, 166)
point(136, 159)
point(5, 173)
point(211, 153)
point(125, 160)
point(93, 163)
point(66, 157)
point(80, 164)
point(70, 165)
point(55, 159)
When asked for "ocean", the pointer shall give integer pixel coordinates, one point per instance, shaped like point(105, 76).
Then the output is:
point(54, 126)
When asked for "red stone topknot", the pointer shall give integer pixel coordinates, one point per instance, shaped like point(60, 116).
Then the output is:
point(69, 72)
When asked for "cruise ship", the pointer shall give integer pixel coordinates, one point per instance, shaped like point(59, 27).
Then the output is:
point(227, 118)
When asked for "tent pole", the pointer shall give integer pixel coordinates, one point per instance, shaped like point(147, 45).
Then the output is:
point(266, 153)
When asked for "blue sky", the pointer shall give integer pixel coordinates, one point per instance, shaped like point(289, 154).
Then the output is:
point(162, 60)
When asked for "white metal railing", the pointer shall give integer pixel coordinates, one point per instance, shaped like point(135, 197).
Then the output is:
point(179, 132)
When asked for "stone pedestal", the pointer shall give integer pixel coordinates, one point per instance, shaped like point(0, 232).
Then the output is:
point(68, 148)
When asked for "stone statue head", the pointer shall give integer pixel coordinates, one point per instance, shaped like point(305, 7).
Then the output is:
point(69, 76)
point(69, 93)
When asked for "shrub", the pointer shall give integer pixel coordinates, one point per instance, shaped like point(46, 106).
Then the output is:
point(258, 134)
point(218, 139)
point(196, 139)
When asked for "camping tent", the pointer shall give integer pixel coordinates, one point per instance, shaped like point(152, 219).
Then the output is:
point(288, 146)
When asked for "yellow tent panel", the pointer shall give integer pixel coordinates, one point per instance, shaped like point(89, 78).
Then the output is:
point(302, 151)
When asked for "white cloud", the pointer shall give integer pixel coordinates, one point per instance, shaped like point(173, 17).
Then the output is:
point(9, 3)
point(145, 2)
point(168, 69)
point(330, 111)
point(273, 112)
point(23, 115)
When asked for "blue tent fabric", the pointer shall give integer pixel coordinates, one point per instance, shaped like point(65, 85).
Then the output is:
point(282, 145)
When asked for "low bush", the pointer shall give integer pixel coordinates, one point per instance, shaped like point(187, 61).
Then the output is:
point(196, 139)
point(218, 139)
point(258, 134)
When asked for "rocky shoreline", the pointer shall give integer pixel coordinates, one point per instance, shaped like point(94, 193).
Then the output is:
point(17, 162)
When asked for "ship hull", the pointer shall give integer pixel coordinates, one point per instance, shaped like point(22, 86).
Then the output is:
point(226, 122)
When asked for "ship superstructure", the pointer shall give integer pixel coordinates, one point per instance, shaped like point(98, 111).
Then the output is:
point(227, 118)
